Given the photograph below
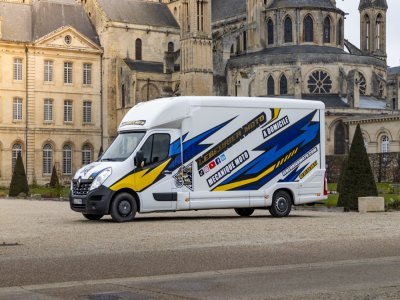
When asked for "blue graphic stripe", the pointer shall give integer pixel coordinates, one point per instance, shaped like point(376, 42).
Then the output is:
point(192, 147)
point(263, 181)
point(300, 134)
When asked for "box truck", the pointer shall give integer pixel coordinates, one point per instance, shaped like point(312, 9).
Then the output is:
point(196, 153)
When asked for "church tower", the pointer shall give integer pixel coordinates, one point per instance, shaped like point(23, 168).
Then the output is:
point(373, 27)
point(196, 48)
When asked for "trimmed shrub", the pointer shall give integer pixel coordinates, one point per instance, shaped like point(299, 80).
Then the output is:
point(19, 182)
point(358, 179)
point(342, 170)
point(54, 182)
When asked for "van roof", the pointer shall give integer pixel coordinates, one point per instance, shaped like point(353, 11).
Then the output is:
point(169, 112)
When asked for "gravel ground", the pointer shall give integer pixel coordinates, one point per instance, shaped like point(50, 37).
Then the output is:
point(51, 229)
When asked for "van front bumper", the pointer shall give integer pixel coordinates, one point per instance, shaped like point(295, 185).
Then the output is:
point(96, 202)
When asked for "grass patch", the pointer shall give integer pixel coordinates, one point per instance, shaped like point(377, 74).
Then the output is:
point(44, 192)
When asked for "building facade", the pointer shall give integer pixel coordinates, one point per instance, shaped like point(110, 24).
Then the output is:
point(138, 50)
point(50, 89)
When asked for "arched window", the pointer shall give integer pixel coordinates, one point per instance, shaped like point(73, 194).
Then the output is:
point(270, 30)
point(367, 31)
point(283, 85)
point(47, 159)
point(308, 29)
point(67, 160)
point(138, 49)
point(362, 83)
point(86, 155)
point(378, 38)
point(288, 30)
point(385, 144)
point(232, 50)
point(271, 86)
point(339, 32)
point(170, 47)
point(327, 30)
point(16, 150)
point(340, 139)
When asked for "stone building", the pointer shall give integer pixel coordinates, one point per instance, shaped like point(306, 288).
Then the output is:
point(291, 48)
point(139, 50)
point(50, 96)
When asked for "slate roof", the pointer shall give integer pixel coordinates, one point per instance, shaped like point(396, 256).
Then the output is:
point(302, 3)
point(48, 16)
point(147, 66)
point(373, 3)
point(394, 70)
point(27, 23)
point(17, 22)
point(330, 100)
point(225, 9)
point(138, 12)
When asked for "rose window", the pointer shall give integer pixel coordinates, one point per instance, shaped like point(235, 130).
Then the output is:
point(319, 82)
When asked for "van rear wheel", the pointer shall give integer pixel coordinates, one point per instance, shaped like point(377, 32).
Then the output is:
point(244, 212)
point(123, 208)
point(281, 204)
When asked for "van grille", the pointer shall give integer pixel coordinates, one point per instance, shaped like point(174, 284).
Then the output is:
point(82, 189)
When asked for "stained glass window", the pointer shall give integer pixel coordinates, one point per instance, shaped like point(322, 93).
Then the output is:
point(288, 30)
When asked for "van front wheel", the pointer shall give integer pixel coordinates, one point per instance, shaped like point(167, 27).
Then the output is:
point(123, 208)
point(281, 204)
point(244, 212)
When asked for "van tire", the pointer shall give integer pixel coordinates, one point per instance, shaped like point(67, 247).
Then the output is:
point(244, 212)
point(123, 208)
point(92, 217)
point(281, 204)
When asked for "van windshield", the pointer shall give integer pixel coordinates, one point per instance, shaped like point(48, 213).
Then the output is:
point(123, 146)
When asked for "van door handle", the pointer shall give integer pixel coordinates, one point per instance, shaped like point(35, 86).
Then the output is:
point(167, 172)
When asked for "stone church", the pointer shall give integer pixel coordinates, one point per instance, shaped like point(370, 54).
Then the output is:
point(138, 50)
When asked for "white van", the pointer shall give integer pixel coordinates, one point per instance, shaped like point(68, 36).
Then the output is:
point(194, 153)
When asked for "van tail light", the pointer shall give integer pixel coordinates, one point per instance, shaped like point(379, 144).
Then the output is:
point(326, 185)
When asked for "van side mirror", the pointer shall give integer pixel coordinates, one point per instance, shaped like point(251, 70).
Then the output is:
point(139, 159)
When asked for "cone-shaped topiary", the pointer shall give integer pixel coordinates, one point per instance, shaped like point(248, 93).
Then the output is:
point(358, 179)
point(54, 182)
point(19, 182)
point(343, 168)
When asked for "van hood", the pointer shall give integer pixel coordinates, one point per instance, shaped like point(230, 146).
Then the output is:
point(92, 170)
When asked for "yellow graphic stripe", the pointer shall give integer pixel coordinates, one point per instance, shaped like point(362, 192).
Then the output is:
point(140, 180)
point(275, 114)
point(230, 186)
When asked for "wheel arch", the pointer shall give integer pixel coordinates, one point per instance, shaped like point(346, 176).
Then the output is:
point(129, 191)
point(287, 190)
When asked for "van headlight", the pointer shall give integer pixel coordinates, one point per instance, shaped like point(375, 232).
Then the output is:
point(100, 178)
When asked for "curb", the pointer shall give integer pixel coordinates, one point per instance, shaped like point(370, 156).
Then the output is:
point(319, 208)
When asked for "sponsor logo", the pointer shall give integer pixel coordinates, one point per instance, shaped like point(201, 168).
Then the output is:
point(230, 167)
point(299, 161)
point(309, 169)
point(282, 123)
point(184, 177)
point(231, 140)
point(212, 165)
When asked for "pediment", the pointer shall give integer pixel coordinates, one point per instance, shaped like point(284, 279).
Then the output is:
point(67, 38)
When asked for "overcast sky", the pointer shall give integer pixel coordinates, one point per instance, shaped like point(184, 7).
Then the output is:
point(352, 27)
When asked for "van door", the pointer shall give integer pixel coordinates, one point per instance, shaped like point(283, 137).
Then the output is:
point(158, 192)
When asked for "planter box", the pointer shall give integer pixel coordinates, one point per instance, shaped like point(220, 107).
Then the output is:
point(371, 204)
